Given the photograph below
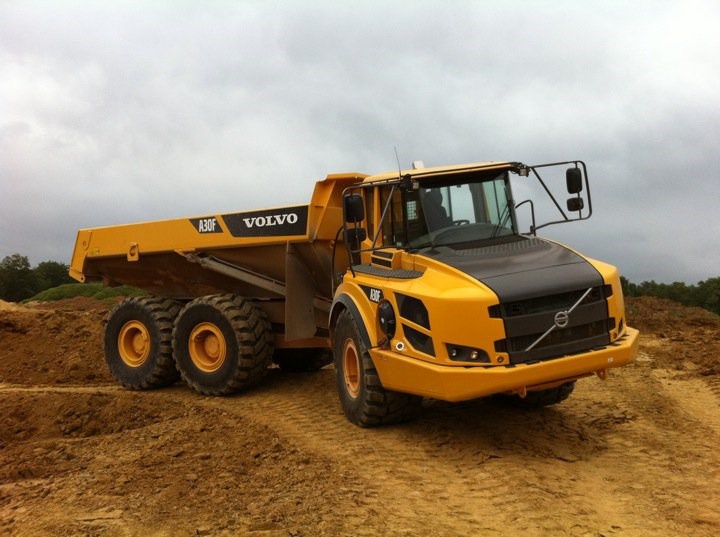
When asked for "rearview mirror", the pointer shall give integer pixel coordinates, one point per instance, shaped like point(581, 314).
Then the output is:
point(575, 204)
point(354, 210)
point(354, 236)
point(573, 178)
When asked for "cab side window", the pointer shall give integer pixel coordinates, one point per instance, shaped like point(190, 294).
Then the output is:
point(369, 195)
point(393, 231)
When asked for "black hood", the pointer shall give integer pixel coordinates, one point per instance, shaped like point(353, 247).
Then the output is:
point(522, 268)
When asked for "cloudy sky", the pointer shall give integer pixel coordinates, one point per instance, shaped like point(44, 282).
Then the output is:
point(114, 112)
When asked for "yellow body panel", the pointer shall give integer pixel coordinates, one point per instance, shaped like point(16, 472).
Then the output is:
point(435, 171)
point(150, 255)
point(405, 374)
point(458, 306)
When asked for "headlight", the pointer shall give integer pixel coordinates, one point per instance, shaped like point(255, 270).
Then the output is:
point(458, 353)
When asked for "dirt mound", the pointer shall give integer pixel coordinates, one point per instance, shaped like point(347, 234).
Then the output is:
point(77, 303)
point(52, 344)
point(106, 462)
point(659, 315)
point(686, 338)
point(9, 306)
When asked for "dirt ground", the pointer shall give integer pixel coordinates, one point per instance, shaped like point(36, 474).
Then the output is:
point(635, 455)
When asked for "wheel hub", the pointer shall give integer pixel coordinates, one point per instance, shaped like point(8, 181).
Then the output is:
point(134, 343)
point(208, 348)
point(351, 368)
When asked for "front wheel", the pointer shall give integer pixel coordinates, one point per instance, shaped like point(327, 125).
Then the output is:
point(364, 400)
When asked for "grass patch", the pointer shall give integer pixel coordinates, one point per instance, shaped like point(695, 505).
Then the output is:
point(92, 290)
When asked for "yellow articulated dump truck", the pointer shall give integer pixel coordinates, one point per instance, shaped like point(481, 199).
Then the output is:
point(416, 283)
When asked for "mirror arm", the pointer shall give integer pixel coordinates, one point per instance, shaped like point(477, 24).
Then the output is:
point(547, 190)
point(533, 229)
point(587, 196)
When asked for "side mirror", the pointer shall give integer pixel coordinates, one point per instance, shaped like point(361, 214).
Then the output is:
point(354, 236)
point(354, 210)
point(573, 178)
point(575, 204)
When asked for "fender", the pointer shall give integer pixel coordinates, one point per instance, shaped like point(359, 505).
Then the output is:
point(344, 300)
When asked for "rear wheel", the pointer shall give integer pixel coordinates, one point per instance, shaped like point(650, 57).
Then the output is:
point(222, 344)
point(364, 400)
point(138, 342)
point(302, 360)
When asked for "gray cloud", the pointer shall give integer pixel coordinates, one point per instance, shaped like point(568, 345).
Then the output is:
point(136, 112)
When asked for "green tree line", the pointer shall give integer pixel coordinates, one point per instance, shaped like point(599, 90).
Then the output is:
point(704, 294)
point(18, 280)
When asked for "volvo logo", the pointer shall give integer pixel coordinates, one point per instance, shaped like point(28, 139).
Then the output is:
point(562, 318)
point(271, 220)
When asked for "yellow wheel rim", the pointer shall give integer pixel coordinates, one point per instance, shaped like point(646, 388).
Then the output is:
point(134, 343)
point(208, 348)
point(351, 368)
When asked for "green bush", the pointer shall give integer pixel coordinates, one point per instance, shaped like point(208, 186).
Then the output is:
point(92, 290)
point(123, 290)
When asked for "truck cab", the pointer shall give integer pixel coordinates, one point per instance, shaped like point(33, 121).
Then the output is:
point(449, 300)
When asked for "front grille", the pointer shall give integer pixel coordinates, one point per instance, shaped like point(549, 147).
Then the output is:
point(527, 320)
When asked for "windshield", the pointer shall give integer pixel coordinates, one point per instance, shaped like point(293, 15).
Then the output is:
point(442, 213)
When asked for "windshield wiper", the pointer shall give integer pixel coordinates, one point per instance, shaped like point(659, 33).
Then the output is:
point(504, 217)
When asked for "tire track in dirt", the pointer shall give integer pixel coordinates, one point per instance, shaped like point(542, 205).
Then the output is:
point(395, 466)
point(482, 467)
point(597, 461)
point(40, 389)
point(697, 397)
point(669, 455)
point(714, 384)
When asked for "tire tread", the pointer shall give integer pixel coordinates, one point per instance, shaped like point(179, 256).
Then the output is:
point(377, 406)
point(162, 371)
point(253, 334)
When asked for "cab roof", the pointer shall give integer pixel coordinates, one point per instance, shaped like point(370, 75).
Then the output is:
point(440, 170)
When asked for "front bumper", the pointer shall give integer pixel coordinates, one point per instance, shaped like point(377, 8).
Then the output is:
point(460, 383)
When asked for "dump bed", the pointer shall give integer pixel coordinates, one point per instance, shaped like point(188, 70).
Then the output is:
point(271, 255)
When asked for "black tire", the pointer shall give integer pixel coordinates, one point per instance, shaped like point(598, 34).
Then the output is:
point(138, 342)
point(364, 400)
point(222, 344)
point(541, 398)
point(302, 360)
